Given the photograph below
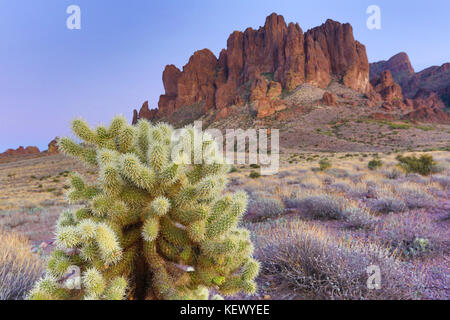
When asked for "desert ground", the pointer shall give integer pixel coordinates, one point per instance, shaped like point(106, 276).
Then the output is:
point(317, 225)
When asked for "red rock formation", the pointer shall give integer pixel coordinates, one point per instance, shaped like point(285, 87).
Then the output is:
point(281, 53)
point(53, 147)
point(329, 99)
point(20, 151)
point(146, 113)
point(331, 50)
point(428, 107)
point(265, 97)
point(388, 89)
point(135, 117)
point(399, 65)
point(436, 79)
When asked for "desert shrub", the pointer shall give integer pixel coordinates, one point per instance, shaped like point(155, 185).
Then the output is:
point(322, 206)
point(411, 235)
point(19, 268)
point(328, 181)
point(255, 166)
point(375, 164)
point(255, 175)
point(357, 192)
point(359, 218)
point(284, 174)
point(357, 177)
point(324, 164)
point(338, 173)
point(234, 169)
point(437, 192)
point(438, 169)
point(415, 178)
point(444, 181)
point(261, 209)
point(309, 263)
point(412, 164)
point(155, 226)
point(393, 174)
point(415, 198)
point(387, 205)
point(341, 187)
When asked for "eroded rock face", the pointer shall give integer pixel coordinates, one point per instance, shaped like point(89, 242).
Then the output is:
point(282, 54)
point(399, 66)
point(436, 79)
point(427, 92)
point(331, 50)
point(265, 97)
point(329, 99)
point(53, 147)
point(146, 113)
point(388, 89)
point(20, 151)
point(428, 107)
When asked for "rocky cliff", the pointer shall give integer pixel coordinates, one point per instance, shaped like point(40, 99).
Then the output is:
point(259, 65)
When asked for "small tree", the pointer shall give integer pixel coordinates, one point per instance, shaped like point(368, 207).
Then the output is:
point(154, 226)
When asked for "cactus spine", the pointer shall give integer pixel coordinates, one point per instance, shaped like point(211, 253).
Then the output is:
point(154, 226)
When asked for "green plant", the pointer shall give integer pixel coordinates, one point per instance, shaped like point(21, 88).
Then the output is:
point(324, 164)
point(154, 226)
point(255, 175)
point(234, 169)
point(375, 164)
point(411, 164)
point(400, 126)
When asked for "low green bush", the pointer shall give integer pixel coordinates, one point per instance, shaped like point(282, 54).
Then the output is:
point(324, 164)
point(411, 164)
point(375, 164)
point(255, 175)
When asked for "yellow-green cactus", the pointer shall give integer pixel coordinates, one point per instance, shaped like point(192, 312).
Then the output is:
point(156, 225)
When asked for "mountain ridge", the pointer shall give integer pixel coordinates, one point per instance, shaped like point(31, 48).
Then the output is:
point(259, 67)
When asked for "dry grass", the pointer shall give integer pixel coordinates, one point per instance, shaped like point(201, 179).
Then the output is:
point(38, 182)
point(309, 263)
point(19, 268)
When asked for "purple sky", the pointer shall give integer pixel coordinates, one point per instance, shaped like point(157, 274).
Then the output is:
point(50, 75)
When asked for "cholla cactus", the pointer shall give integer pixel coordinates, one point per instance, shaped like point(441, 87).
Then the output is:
point(155, 226)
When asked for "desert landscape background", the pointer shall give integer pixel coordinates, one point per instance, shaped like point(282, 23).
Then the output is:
point(364, 166)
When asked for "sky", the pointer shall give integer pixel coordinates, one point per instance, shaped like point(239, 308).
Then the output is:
point(50, 75)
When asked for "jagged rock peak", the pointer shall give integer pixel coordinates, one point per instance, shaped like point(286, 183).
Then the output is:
point(277, 51)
